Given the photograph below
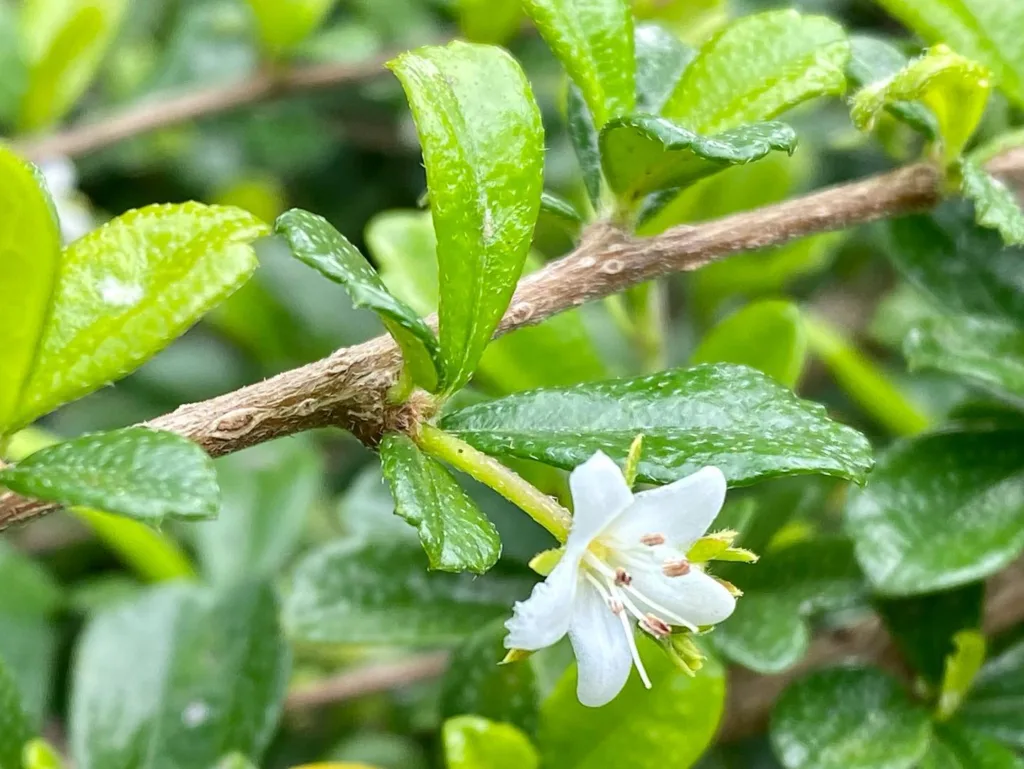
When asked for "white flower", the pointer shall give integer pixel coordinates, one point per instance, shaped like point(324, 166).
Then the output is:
point(624, 564)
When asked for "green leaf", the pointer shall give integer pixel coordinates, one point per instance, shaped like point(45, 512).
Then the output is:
point(490, 21)
point(661, 58)
point(954, 747)
point(768, 336)
point(995, 704)
point(128, 289)
point(872, 61)
point(871, 722)
point(471, 742)
point(39, 754)
point(283, 24)
point(987, 351)
point(584, 137)
point(179, 677)
point(14, 723)
point(454, 532)
point(729, 416)
point(643, 154)
point(758, 67)
point(561, 210)
point(954, 89)
point(940, 511)
point(12, 64)
point(29, 260)
point(136, 472)
point(64, 43)
point(642, 729)
point(352, 592)
point(483, 146)
point(314, 241)
point(766, 634)
point(995, 205)
point(594, 42)
point(984, 30)
point(268, 493)
point(962, 667)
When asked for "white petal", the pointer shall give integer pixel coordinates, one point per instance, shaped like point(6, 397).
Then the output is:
point(599, 493)
point(601, 647)
point(543, 618)
point(695, 597)
point(682, 511)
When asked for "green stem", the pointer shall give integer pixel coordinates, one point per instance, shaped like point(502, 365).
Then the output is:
point(402, 389)
point(490, 472)
point(648, 303)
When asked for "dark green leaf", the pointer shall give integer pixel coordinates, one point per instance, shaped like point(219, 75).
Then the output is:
point(873, 60)
point(995, 205)
point(471, 742)
point(724, 415)
point(940, 511)
point(661, 58)
point(954, 747)
point(584, 137)
point(766, 633)
point(560, 209)
point(14, 723)
point(995, 706)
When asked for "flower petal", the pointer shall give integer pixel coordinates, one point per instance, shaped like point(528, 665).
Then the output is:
point(601, 647)
point(682, 511)
point(599, 493)
point(543, 618)
point(695, 597)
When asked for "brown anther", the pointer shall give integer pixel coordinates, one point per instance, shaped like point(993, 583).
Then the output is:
point(676, 568)
point(616, 606)
point(622, 577)
point(656, 626)
point(652, 539)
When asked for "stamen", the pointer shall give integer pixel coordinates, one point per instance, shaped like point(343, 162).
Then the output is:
point(622, 577)
point(656, 626)
point(616, 606)
point(676, 568)
point(606, 571)
point(671, 616)
point(652, 539)
point(634, 651)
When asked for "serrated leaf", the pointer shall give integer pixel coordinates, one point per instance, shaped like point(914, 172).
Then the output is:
point(768, 336)
point(594, 42)
point(677, 718)
point(471, 742)
point(995, 704)
point(585, 143)
point(643, 154)
point(351, 592)
point(954, 89)
point(728, 416)
point(995, 205)
point(954, 747)
point(941, 510)
point(758, 67)
point(490, 21)
point(961, 668)
point(14, 723)
point(872, 61)
point(135, 472)
point(283, 24)
point(315, 242)
point(454, 532)
point(661, 58)
point(130, 288)
point(871, 723)
point(179, 677)
point(483, 146)
point(64, 44)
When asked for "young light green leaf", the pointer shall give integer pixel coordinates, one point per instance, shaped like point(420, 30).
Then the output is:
point(39, 754)
point(29, 261)
point(594, 42)
point(995, 205)
point(64, 44)
point(758, 67)
point(189, 674)
point(128, 289)
point(639, 728)
point(584, 137)
point(352, 592)
point(136, 472)
point(954, 747)
point(661, 58)
point(454, 532)
point(954, 89)
point(871, 723)
point(941, 510)
point(14, 723)
point(489, 21)
point(962, 667)
point(995, 704)
point(483, 146)
point(314, 241)
point(471, 742)
point(768, 336)
point(283, 24)
point(643, 154)
point(873, 61)
point(724, 415)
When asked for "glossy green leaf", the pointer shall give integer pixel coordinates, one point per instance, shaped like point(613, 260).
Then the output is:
point(758, 67)
point(766, 634)
point(940, 511)
point(483, 146)
point(961, 668)
point(872, 61)
point(315, 242)
point(661, 58)
point(179, 677)
point(987, 351)
point(643, 154)
point(585, 144)
point(675, 720)
point(454, 532)
point(995, 704)
point(352, 592)
point(14, 724)
point(64, 43)
point(471, 742)
point(768, 336)
point(594, 42)
point(490, 21)
point(561, 210)
point(692, 20)
point(268, 493)
point(283, 24)
point(29, 260)
point(729, 416)
point(984, 30)
point(871, 723)
point(136, 472)
point(130, 288)
point(954, 747)
point(995, 205)
point(954, 89)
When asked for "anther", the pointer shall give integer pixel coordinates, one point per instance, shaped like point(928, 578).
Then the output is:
point(656, 626)
point(622, 577)
point(616, 606)
point(652, 539)
point(675, 568)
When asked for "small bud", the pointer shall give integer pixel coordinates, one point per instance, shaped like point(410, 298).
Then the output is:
point(682, 650)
